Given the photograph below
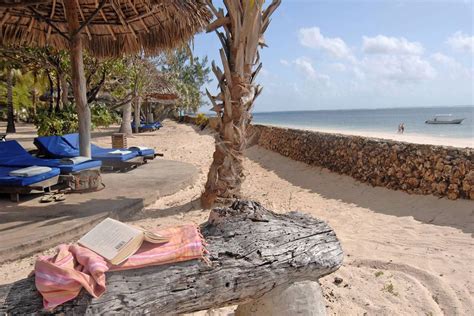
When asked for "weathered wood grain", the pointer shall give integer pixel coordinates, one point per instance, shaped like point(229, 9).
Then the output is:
point(252, 250)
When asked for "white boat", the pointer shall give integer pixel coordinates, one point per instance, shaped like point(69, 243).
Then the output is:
point(444, 119)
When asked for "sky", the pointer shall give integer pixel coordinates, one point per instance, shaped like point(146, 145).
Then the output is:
point(347, 54)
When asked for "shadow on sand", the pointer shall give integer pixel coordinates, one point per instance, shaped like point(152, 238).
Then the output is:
point(424, 208)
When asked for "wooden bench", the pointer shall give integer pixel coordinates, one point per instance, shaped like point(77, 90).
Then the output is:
point(252, 251)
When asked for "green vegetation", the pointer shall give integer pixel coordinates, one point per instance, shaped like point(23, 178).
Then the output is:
point(188, 74)
point(390, 289)
point(202, 119)
point(35, 86)
point(57, 123)
point(378, 273)
point(102, 116)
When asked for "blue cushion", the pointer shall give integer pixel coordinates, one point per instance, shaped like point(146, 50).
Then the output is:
point(72, 139)
point(12, 148)
point(13, 155)
point(62, 146)
point(91, 164)
point(145, 152)
point(9, 181)
point(104, 154)
point(55, 147)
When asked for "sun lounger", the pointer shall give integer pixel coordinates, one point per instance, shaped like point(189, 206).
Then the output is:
point(15, 181)
point(147, 126)
point(97, 151)
point(68, 147)
point(12, 154)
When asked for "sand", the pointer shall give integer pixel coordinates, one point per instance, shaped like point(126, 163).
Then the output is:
point(404, 254)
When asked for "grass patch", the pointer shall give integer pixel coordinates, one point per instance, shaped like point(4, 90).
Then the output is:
point(378, 273)
point(390, 289)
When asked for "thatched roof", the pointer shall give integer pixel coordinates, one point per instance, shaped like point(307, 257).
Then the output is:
point(113, 27)
point(161, 89)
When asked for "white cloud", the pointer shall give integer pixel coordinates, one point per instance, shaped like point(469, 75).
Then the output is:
point(461, 42)
point(398, 69)
point(312, 37)
point(284, 62)
point(304, 65)
point(381, 44)
point(450, 66)
point(338, 67)
point(445, 60)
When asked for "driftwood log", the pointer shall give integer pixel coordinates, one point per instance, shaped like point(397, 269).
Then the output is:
point(252, 251)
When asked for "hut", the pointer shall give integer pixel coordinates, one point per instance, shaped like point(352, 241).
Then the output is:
point(161, 97)
point(106, 28)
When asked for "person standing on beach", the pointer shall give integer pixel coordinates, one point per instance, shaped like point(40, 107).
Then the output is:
point(402, 128)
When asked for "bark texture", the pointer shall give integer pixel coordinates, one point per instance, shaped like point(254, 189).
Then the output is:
point(252, 250)
point(136, 112)
point(126, 126)
point(79, 79)
point(242, 29)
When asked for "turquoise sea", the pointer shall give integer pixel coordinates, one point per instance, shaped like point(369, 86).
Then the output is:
point(377, 120)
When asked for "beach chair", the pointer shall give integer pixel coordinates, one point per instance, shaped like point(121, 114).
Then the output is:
point(59, 147)
point(73, 170)
point(73, 140)
point(12, 154)
point(147, 126)
point(41, 180)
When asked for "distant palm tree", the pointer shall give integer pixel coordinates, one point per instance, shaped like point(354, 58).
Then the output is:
point(11, 74)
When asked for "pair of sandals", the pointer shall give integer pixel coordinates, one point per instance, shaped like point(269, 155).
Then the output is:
point(53, 197)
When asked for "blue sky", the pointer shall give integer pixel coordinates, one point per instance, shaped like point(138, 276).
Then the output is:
point(363, 54)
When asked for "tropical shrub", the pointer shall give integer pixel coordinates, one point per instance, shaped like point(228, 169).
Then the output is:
point(202, 119)
point(57, 123)
point(102, 116)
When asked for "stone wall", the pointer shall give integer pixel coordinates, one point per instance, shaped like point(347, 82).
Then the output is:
point(414, 168)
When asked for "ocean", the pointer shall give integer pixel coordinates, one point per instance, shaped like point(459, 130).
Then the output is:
point(377, 120)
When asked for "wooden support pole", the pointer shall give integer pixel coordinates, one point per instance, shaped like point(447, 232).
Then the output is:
point(79, 79)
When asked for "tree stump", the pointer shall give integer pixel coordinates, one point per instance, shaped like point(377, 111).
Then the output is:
point(252, 251)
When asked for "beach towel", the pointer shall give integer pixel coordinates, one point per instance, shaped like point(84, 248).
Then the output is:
point(74, 160)
point(120, 152)
point(61, 277)
point(29, 171)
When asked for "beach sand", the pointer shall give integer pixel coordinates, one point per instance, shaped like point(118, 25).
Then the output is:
point(404, 254)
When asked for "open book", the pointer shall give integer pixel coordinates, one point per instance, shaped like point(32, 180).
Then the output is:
point(116, 241)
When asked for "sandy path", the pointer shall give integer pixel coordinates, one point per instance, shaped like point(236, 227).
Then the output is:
point(405, 254)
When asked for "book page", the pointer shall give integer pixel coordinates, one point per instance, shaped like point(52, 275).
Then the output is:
point(109, 237)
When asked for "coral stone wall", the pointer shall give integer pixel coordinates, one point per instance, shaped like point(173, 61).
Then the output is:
point(414, 168)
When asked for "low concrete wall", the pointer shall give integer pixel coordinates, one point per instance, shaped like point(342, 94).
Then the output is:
point(414, 168)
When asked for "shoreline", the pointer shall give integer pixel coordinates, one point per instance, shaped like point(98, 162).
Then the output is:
point(406, 137)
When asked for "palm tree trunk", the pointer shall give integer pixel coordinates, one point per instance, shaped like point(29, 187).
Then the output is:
point(244, 25)
point(10, 110)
